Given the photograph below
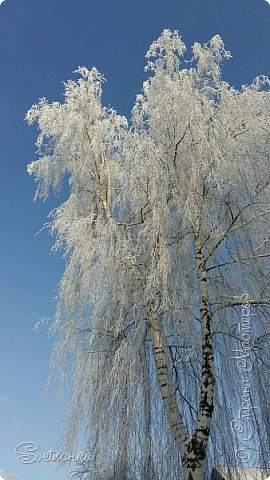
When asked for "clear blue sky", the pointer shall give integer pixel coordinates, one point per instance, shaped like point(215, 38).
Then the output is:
point(41, 43)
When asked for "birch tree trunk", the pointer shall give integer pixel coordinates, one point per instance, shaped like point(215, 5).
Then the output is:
point(195, 453)
point(175, 419)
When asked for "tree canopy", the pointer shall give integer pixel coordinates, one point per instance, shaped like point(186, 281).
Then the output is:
point(165, 235)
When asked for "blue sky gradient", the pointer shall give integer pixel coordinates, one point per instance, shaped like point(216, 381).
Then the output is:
point(41, 43)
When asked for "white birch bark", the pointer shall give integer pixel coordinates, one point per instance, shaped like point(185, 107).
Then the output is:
point(196, 450)
point(174, 417)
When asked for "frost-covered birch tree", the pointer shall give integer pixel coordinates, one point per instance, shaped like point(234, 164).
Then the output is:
point(165, 235)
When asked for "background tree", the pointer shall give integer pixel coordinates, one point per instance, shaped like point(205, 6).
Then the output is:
point(165, 235)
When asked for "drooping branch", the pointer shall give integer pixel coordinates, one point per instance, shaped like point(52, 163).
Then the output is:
point(236, 260)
